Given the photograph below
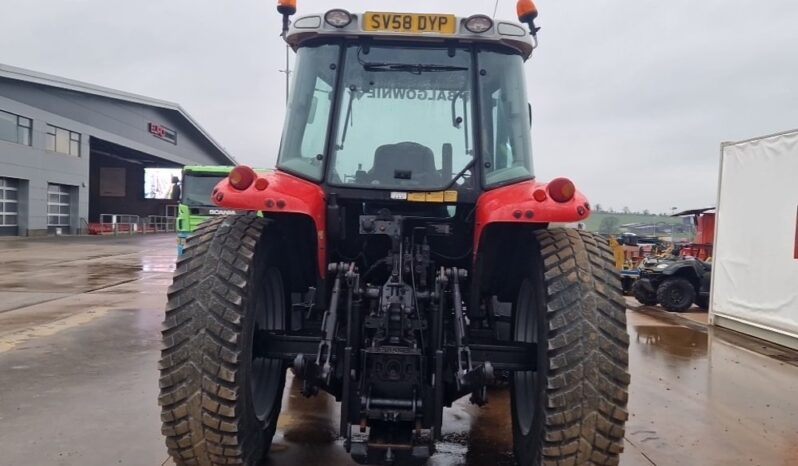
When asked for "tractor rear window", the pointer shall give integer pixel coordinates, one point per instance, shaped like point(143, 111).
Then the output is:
point(506, 118)
point(404, 118)
point(308, 114)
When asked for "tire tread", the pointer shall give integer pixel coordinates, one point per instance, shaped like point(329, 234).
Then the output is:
point(199, 364)
point(587, 350)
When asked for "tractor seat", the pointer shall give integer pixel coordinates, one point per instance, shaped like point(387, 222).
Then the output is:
point(395, 164)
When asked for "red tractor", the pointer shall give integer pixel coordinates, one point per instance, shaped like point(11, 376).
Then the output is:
point(402, 230)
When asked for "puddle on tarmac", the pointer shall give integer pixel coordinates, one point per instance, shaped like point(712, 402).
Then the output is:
point(676, 341)
point(157, 264)
point(477, 436)
point(308, 431)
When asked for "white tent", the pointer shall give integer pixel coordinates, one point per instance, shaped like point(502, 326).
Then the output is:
point(755, 257)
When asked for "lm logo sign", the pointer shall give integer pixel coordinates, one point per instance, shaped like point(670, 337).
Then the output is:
point(162, 132)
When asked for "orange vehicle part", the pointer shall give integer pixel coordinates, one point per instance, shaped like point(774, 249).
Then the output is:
point(280, 193)
point(705, 228)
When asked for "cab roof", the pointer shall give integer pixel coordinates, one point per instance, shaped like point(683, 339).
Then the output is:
point(504, 33)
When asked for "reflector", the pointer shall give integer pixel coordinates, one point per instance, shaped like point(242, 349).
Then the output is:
point(261, 184)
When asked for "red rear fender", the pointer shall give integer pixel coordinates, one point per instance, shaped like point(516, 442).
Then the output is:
point(279, 193)
point(519, 203)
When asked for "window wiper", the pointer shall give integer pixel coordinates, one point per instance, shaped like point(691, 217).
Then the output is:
point(347, 119)
point(410, 68)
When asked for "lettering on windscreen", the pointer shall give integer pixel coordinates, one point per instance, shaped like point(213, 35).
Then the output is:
point(414, 94)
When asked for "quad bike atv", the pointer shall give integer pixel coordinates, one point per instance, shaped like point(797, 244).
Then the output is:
point(402, 216)
point(675, 283)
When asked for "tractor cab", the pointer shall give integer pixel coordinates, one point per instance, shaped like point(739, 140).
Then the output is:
point(400, 103)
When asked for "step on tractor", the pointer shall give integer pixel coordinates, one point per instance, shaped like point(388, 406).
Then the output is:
point(400, 232)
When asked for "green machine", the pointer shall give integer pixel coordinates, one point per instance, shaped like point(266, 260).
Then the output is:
point(195, 200)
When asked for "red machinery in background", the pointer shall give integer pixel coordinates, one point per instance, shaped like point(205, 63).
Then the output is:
point(704, 222)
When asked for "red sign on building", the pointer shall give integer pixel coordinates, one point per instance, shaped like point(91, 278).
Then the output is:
point(162, 132)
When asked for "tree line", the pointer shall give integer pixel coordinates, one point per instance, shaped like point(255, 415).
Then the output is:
point(627, 210)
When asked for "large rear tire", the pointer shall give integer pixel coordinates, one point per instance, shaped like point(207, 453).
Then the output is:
point(572, 409)
point(219, 404)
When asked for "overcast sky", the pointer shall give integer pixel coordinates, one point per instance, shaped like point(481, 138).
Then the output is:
point(631, 98)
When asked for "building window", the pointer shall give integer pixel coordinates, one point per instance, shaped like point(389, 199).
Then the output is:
point(8, 202)
point(57, 205)
point(63, 141)
point(15, 128)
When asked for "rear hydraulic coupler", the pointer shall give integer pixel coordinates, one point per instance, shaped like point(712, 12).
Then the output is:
point(467, 377)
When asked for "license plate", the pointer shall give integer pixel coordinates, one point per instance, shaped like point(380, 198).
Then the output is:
point(409, 23)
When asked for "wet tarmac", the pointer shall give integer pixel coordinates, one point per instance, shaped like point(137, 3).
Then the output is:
point(79, 342)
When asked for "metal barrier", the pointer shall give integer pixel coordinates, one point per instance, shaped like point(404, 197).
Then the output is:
point(119, 223)
point(130, 224)
point(158, 224)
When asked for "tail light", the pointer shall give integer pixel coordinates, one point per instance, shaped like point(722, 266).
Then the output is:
point(561, 189)
point(242, 177)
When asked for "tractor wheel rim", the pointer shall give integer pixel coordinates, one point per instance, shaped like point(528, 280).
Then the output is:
point(525, 383)
point(264, 386)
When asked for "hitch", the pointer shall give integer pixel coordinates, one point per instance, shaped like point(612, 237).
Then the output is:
point(319, 371)
point(467, 377)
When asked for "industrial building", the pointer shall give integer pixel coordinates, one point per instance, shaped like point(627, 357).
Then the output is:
point(72, 152)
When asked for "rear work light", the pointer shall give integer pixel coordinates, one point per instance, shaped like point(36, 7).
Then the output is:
point(338, 18)
point(561, 189)
point(478, 23)
point(242, 177)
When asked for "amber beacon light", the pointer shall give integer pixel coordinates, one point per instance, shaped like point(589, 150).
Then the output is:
point(286, 8)
point(527, 13)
